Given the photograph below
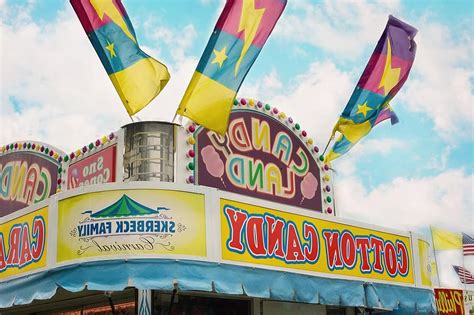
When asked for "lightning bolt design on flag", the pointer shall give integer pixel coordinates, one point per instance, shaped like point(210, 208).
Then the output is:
point(384, 75)
point(137, 77)
point(238, 37)
point(103, 7)
point(249, 23)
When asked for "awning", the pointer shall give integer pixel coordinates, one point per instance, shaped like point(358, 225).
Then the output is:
point(219, 278)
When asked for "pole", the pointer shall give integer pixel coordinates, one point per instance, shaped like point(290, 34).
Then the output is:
point(434, 252)
point(327, 145)
point(463, 266)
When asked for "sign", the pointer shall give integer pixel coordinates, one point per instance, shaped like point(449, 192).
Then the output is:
point(449, 301)
point(261, 157)
point(23, 243)
point(25, 178)
point(98, 168)
point(263, 236)
point(469, 301)
point(131, 223)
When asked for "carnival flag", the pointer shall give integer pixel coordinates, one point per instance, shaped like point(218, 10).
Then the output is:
point(384, 75)
point(467, 245)
point(137, 77)
point(464, 275)
point(443, 239)
point(238, 37)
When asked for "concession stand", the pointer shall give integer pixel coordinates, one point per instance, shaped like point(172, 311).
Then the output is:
point(160, 218)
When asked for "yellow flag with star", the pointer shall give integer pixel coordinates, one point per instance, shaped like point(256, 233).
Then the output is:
point(386, 72)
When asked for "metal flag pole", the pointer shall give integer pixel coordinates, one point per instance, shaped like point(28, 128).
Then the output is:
point(463, 266)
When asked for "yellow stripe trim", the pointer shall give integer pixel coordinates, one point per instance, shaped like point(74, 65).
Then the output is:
point(208, 103)
point(140, 83)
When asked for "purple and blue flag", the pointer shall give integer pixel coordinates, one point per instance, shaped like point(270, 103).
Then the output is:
point(386, 72)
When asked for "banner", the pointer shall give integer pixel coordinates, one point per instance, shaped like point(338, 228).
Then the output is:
point(449, 301)
point(263, 236)
point(23, 243)
point(98, 168)
point(25, 178)
point(425, 264)
point(141, 222)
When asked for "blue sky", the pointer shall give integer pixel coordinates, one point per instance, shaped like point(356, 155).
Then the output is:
point(408, 176)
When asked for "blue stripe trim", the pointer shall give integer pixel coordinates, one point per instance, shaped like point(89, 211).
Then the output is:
point(361, 96)
point(126, 51)
point(342, 145)
point(224, 74)
point(213, 277)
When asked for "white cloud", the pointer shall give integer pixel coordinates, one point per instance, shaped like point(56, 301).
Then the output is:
point(176, 41)
point(439, 162)
point(347, 165)
point(441, 84)
point(54, 88)
point(411, 203)
point(345, 28)
point(62, 94)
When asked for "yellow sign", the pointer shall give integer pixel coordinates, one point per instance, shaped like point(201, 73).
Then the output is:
point(23, 243)
point(258, 235)
point(131, 223)
point(425, 265)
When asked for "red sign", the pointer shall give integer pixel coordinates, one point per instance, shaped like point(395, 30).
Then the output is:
point(97, 168)
point(449, 302)
point(25, 178)
point(259, 157)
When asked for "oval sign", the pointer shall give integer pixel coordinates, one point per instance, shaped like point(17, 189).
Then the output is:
point(259, 157)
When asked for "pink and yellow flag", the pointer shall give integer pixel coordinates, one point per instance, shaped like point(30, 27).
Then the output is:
point(239, 35)
point(137, 77)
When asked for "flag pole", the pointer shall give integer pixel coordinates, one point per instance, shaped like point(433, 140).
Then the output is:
point(436, 261)
point(463, 265)
point(327, 145)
